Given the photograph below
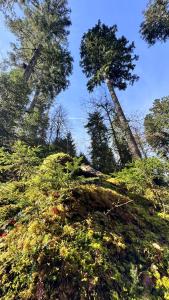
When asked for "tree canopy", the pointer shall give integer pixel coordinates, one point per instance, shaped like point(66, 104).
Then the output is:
point(156, 22)
point(105, 56)
point(40, 54)
point(157, 126)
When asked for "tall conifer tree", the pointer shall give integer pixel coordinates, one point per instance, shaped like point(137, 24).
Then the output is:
point(41, 54)
point(108, 59)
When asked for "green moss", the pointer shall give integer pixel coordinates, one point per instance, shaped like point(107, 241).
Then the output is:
point(52, 160)
point(80, 242)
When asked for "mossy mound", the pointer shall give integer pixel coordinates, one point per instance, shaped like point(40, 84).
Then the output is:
point(80, 242)
point(64, 237)
point(53, 160)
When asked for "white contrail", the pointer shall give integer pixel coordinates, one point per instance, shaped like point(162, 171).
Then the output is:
point(75, 118)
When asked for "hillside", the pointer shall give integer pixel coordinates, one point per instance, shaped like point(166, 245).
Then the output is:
point(64, 236)
point(84, 150)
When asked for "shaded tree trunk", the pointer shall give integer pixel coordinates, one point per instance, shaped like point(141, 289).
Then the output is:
point(34, 101)
point(140, 143)
point(33, 61)
point(113, 133)
point(132, 144)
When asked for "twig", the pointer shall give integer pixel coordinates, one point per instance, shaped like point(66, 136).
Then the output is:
point(110, 210)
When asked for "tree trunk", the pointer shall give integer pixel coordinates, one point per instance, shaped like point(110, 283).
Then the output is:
point(114, 133)
point(133, 147)
point(34, 101)
point(30, 67)
point(140, 143)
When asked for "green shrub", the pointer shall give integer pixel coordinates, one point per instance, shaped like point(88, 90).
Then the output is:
point(57, 171)
point(19, 163)
point(55, 159)
point(148, 176)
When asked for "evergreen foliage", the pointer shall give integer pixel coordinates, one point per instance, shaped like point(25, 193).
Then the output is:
point(156, 22)
point(101, 155)
point(117, 135)
point(71, 147)
point(108, 59)
point(104, 56)
point(64, 144)
point(13, 101)
point(34, 127)
point(41, 45)
point(156, 125)
point(19, 162)
point(43, 64)
point(85, 160)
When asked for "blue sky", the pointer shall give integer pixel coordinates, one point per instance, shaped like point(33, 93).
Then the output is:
point(152, 67)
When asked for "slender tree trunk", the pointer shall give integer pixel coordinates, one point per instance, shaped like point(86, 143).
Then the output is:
point(133, 147)
point(33, 61)
point(140, 143)
point(114, 133)
point(34, 101)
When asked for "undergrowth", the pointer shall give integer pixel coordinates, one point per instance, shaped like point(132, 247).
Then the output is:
point(64, 238)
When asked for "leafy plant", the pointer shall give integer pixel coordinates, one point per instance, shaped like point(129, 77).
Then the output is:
point(20, 163)
point(151, 174)
point(57, 171)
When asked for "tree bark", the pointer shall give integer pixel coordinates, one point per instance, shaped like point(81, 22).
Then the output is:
point(140, 143)
point(33, 61)
point(34, 101)
point(113, 132)
point(132, 144)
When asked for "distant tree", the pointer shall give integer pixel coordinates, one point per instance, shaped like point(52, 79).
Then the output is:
point(70, 144)
point(117, 135)
point(58, 124)
point(64, 144)
point(85, 160)
point(106, 58)
point(156, 22)
point(101, 155)
point(157, 126)
point(59, 136)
